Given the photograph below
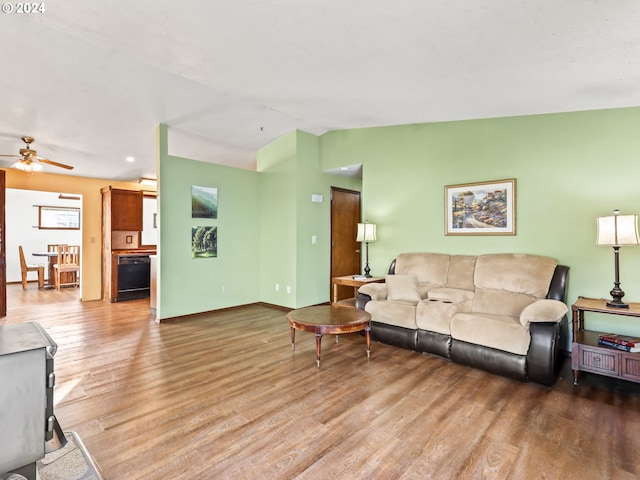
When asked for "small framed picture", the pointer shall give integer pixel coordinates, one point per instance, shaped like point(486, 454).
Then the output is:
point(204, 242)
point(481, 208)
point(204, 202)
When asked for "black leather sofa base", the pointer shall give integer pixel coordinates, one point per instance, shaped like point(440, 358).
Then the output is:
point(540, 365)
point(489, 359)
point(392, 335)
point(433, 342)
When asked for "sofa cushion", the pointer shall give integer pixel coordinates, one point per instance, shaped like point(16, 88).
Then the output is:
point(402, 288)
point(461, 270)
point(500, 302)
point(400, 314)
point(429, 268)
point(543, 311)
point(507, 283)
point(519, 273)
point(435, 316)
point(502, 332)
point(450, 295)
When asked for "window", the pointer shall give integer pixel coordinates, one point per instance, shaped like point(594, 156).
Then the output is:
point(58, 218)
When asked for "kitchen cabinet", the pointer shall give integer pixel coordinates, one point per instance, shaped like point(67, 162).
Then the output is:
point(124, 208)
point(121, 235)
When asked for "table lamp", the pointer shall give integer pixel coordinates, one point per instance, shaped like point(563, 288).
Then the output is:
point(617, 231)
point(366, 234)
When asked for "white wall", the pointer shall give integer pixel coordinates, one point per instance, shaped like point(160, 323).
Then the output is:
point(21, 228)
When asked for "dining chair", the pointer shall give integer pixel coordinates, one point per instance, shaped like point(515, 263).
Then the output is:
point(68, 262)
point(53, 247)
point(25, 268)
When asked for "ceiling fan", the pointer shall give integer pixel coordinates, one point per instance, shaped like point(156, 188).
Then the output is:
point(28, 157)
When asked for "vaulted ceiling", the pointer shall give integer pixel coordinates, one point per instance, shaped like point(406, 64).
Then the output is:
point(91, 80)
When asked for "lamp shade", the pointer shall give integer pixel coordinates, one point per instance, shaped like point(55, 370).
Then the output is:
point(366, 232)
point(617, 230)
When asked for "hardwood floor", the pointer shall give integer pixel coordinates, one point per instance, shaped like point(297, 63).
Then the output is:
point(223, 396)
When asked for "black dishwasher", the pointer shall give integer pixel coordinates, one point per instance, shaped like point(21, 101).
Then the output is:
point(134, 277)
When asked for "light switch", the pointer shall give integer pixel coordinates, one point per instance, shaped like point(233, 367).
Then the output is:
point(316, 198)
point(314, 240)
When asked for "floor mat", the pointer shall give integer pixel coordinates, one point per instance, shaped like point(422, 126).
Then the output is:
point(71, 462)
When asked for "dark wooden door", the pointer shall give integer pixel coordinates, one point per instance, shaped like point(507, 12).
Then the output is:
point(345, 251)
point(3, 250)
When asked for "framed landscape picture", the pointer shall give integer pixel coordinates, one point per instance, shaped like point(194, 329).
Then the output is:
point(204, 242)
point(482, 208)
point(204, 202)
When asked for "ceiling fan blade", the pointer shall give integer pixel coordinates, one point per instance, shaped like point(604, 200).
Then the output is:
point(12, 156)
point(51, 162)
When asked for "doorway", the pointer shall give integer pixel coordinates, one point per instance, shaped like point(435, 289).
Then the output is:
point(345, 251)
point(36, 219)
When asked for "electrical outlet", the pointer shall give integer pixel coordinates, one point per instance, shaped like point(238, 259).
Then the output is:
point(288, 289)
point(277, 287)
point(224, 289)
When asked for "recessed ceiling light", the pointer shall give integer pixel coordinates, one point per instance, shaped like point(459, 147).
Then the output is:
point(130, 159)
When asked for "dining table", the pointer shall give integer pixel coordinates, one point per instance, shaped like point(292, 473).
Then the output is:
point(53, 258)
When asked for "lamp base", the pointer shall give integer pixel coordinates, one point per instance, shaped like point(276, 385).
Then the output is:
point(616, 303)
point(367, 271)
point(616, 297)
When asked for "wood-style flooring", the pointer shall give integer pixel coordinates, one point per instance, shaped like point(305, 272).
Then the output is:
point(223, 396)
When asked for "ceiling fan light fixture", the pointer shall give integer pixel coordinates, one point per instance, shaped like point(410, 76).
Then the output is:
point(28, 167)
point(29, 159)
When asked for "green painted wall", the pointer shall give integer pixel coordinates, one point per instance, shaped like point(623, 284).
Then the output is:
point(289, 175)
point(570, 168)
point(265, 223)
point(314, 219)
point(190, 285)
point(277, 167)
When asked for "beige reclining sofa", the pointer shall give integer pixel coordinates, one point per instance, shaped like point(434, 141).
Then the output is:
point(503, 313)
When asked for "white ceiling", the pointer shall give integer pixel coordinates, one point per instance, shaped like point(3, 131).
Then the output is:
point(91, 80)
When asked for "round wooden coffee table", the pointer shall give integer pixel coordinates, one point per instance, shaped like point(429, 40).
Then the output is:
point(329, 320)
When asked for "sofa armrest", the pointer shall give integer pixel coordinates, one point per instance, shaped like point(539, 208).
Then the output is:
point(377, 291)
point(558, 286)
point(543, 311)
point(362, 300)
point(544, 355)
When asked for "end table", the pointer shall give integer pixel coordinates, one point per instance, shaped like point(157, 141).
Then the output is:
point(349, 281)
point(588, 356)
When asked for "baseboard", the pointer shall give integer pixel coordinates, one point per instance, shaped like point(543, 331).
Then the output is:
point(210, 312)
point(226, 309)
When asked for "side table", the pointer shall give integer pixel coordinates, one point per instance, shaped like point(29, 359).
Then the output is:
point(588, 356)
point(349, 281)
